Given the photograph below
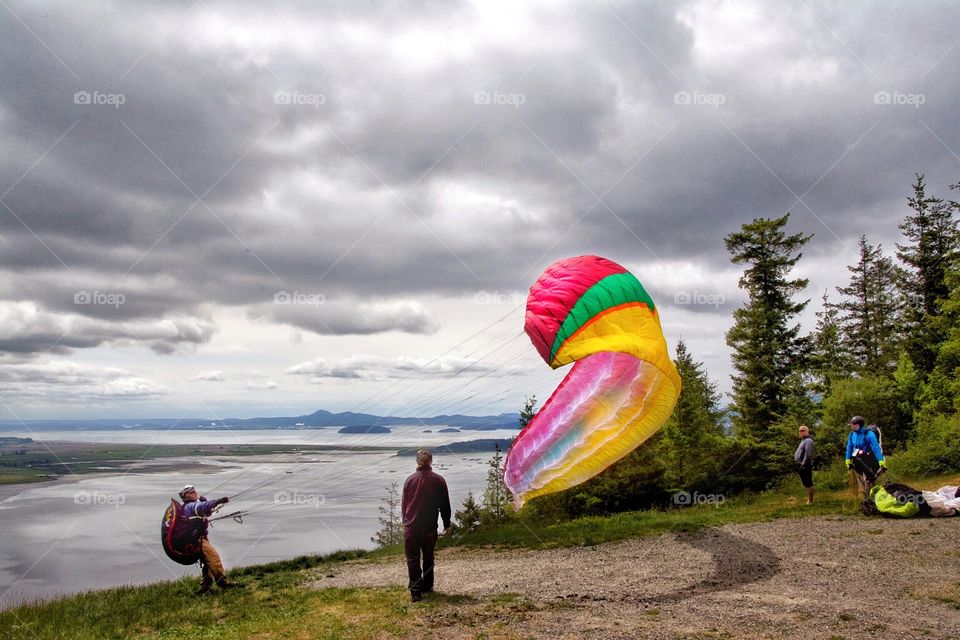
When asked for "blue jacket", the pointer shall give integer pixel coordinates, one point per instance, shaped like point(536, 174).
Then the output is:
point(863, 439)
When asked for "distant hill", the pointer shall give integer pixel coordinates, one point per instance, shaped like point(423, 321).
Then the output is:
point(317, 419)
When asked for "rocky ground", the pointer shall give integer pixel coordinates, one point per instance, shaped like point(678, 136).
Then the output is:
point(826, 577)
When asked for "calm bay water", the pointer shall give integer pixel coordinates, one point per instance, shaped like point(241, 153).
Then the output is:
point(94, 531)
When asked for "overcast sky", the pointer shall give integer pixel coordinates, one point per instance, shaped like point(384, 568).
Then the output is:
point(239, 208)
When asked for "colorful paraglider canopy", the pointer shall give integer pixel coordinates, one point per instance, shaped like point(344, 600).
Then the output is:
point(623, 386)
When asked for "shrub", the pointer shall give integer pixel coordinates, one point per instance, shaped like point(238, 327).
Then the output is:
point(935, 448)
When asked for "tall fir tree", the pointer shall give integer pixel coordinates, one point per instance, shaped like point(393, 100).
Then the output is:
point(870, 306)
point(694, 434)
point(768, 349)
point(940, 394)
point(932, 242)
point(829, 358)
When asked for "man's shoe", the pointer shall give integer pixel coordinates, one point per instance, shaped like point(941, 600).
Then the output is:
point(415, 597)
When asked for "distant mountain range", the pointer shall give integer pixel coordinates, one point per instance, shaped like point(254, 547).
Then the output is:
point(317, 419)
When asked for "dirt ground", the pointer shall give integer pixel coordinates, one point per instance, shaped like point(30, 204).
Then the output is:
point(826, 577)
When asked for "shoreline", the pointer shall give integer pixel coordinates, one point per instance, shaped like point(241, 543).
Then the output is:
point(46, 461)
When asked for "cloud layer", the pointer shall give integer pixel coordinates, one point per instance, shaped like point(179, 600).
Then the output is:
point(168, 164)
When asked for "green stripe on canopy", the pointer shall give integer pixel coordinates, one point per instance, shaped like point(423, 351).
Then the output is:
point(612, 291)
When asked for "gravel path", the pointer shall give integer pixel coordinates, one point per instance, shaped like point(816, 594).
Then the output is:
point(825, 577)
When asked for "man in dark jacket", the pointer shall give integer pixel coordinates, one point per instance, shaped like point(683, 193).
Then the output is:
point(199, 509)
point(425, 497)
point(804, 459)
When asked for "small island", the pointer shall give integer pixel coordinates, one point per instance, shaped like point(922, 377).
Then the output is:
point(364, 428)
point(449, 430)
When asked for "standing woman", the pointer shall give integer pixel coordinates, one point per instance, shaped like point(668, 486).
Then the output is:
point(804, 459)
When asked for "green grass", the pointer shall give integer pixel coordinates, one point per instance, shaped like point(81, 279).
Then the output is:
point(271, 606)
point(784, 502)
point(16, 475)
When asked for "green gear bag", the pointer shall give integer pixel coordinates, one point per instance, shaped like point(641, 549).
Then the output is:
point(888, 504)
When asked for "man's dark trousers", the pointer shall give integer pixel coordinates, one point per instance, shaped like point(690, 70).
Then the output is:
point(415, 545)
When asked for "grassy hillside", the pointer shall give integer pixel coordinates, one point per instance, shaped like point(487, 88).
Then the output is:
point(275, 602)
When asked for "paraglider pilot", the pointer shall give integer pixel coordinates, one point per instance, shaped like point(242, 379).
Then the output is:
point(199, 509)
point(425, 497)
point(864, 455)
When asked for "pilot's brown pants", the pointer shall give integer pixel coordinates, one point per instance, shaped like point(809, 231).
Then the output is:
point(211, 565)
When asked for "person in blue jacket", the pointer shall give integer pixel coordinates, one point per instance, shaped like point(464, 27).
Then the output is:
point(864, 455)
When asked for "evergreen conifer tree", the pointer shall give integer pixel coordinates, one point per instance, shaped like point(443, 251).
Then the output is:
point(693, 436)
point(468, 517)
point(871, 309)
point(529, 410)
point(391, 522)
point(496, 496)
point(767, 346)
point(933, 238)
point(829, 359)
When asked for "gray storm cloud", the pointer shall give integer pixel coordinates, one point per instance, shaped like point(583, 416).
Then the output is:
point(71, 382)
point(372, 367)
point(314, 313)
point(201, 157)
